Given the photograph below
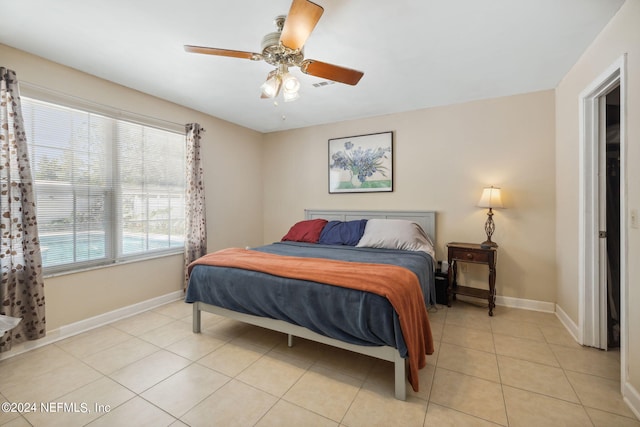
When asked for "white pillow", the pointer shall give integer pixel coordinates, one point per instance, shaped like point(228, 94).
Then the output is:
point(396, 234)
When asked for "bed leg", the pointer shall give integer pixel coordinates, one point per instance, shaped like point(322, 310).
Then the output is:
point(196, 318)
point(400, 377)
point(289, 340)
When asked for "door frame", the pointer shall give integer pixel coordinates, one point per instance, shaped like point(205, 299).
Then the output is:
point(592, 290)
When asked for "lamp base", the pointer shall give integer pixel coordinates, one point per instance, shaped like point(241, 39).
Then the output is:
point(487, 244)
point(489, 228)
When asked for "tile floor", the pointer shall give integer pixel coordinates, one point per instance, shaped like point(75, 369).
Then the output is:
point(518, 368)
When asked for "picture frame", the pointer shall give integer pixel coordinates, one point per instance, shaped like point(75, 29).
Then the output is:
point(361, 163)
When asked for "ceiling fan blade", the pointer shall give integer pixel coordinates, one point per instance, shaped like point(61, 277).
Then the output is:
point(223, 52)
point(301, 20)
point(331, 72)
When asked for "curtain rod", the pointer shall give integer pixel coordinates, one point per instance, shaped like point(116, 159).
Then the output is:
point(97, 105)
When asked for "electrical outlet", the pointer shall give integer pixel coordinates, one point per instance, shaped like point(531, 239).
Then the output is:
point(463, 267)
point(634, 218)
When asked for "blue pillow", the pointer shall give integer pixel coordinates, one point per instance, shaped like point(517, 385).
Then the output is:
point(342, 232)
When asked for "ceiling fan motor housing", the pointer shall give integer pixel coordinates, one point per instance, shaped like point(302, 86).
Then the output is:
point(274, 53)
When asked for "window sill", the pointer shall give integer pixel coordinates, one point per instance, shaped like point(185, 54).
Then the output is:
point(114, 264)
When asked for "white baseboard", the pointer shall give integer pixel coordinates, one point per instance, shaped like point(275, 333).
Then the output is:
point(632, 398)
point(526, 304)
point(72, 329)
point(568, 323)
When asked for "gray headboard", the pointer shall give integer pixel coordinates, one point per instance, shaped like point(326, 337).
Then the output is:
point(426, 219)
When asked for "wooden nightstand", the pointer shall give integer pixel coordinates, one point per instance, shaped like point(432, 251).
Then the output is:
point(473, 253)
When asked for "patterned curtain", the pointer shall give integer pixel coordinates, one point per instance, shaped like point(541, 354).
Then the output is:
point(22, 286)
point(195, 244)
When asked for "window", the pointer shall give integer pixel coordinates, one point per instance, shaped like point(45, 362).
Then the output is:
point(107, 190)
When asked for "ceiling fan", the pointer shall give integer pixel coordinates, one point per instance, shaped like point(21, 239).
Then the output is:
point(284, 48)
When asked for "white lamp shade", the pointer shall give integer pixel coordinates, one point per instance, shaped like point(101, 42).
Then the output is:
point(490, 198)
point(290, 96)
point(290, 87)
point(271, 87)
point(290, 83)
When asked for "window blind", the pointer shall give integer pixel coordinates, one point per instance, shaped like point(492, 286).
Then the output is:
point(107, 190)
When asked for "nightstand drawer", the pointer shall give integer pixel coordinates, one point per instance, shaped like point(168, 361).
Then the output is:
point(471, 256)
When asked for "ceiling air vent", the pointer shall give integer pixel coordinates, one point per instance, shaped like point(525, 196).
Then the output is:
point(325, 83)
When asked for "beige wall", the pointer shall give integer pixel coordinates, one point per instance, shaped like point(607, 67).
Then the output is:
point(234, 216)
point(622, 35)
point(442, 159)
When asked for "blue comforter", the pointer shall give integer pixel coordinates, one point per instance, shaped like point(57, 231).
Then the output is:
point(348, 315)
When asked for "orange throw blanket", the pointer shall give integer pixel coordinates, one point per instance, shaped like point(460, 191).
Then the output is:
point(398, 284)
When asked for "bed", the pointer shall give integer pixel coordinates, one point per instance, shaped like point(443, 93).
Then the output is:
point(261, 286)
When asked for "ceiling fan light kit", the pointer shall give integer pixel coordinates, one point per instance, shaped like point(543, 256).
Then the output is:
point(284, 48)
point(281, 80)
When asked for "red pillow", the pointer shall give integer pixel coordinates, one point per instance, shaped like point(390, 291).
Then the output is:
point(306, 231)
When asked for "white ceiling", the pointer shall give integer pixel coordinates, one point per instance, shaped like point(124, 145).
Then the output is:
point(414, 53)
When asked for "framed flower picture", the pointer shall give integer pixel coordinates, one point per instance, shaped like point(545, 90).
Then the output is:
point(361, 164)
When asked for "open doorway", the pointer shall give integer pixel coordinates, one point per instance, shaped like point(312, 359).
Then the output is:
point(611, 197)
